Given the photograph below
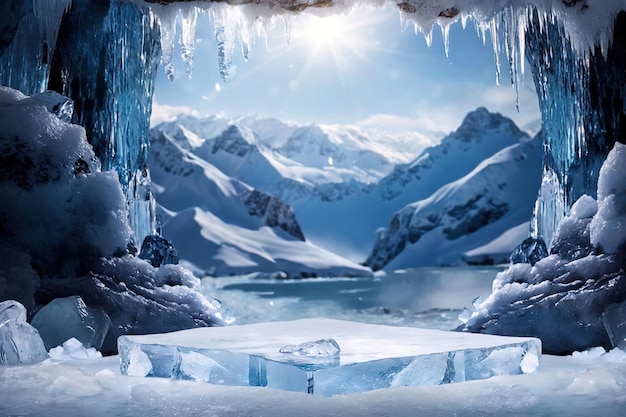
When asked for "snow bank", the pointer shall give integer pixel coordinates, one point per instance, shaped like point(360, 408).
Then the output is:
point(65, 232)
point(588, 383)
point(56, 204)
point(608, 228)
point(562, 297)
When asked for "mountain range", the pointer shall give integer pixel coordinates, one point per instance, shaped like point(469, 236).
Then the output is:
point(261, 195)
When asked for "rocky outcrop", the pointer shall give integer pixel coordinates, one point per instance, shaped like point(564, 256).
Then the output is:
point(274, 211)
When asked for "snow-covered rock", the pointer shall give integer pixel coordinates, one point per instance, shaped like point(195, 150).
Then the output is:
point(64, 231)
point(562, 297)
point(464, 214)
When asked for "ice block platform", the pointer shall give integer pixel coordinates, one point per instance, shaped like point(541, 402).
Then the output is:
point(369, 356)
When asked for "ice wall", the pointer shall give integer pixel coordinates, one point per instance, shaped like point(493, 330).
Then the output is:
point(581, 96)
point(106, 61)
point(30, 30)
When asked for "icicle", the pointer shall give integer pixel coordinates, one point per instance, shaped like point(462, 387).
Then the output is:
point(464, 19)
point(225, 35)
point(167, 16)
point(288, 24)
point(428, 36)
point(188, 38)
point(493, 29)
point(50, 13)
point(244, 39)
point(445, 33)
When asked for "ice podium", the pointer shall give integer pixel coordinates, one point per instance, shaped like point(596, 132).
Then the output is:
point(325, 356)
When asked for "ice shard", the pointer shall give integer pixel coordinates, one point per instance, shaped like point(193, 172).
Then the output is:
point(255, 355)
point(66, 318)
point(20, 342)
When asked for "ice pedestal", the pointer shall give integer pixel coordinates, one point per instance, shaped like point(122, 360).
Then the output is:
point(370, 356)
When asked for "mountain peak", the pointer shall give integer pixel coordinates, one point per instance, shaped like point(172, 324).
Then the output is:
point(481, 121)
point(235, 140)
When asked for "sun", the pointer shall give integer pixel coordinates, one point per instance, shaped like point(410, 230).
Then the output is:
point(331, 35)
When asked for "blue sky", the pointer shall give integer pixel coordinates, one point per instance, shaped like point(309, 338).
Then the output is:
point(365, 70)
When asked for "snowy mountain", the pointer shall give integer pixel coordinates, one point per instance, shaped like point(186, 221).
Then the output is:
point(496, 196)
point(289, 161)
point(348, 224)
point(343, 186)
point(222, 225)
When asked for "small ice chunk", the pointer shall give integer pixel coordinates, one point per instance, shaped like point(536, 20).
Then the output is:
point(20, 342)
point(138, 363)
point(530, 251)
point(66, 318)
point(57, 104)
point(197, 367)
point(158, 251)
point(614, 320)
point(322, 347)
point(73, 349)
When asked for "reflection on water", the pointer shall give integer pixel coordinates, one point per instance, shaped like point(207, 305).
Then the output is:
point(423, 297)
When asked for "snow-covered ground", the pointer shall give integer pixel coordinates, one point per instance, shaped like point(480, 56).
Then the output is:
point(591, 383)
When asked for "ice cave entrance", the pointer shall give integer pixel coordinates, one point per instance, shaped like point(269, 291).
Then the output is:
point(104, 56)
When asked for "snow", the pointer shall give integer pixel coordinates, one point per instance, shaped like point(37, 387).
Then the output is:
point(501, 247)
point(363, 180)
point(463, 214)
point(216, 224)
point(586, 383)
point(608, 228)
point(73, 349)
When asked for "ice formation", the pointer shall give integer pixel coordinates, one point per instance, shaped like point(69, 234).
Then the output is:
point(73, 349)
point(563, 296)
point(70, 318)
point(614, 319)
point(20, 342)
point(65, 232)
point(252, 355)
point(322, 347)
point(158, 251)
point(529, 251)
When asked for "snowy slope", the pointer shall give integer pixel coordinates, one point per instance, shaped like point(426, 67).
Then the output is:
point(495, 197)
point(282, 158)
point(223, 226)
point(348, 222)
point(343, 185)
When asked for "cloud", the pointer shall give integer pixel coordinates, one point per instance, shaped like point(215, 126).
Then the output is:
point(165, 113)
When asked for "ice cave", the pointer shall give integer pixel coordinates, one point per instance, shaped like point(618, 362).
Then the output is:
point(78, 82)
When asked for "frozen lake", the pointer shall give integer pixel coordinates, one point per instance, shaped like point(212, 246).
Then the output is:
point(423, 297)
